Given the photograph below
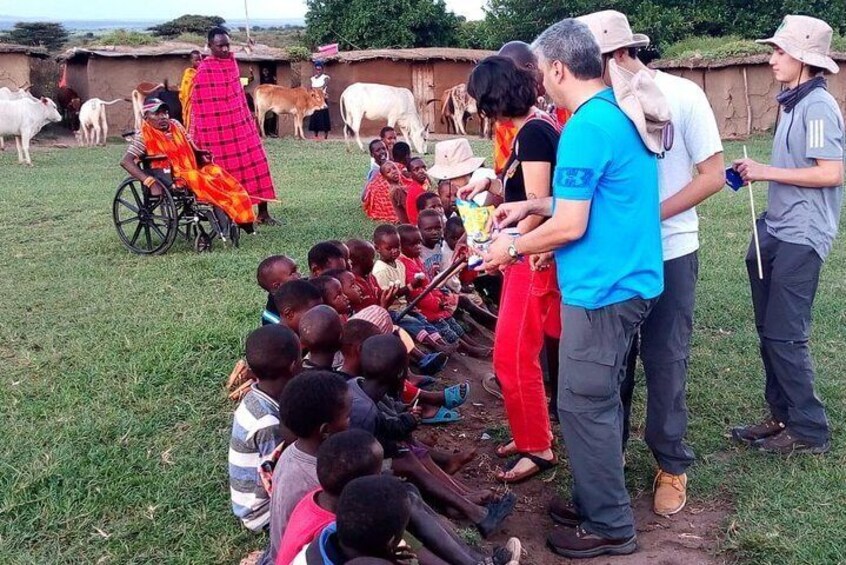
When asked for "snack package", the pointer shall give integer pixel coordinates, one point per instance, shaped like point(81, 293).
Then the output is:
point(475, 220)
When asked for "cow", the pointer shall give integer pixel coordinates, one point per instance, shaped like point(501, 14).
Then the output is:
point(458, 107)
point(161, 91)
point(7, 94)
point(24, 118)
point(93, 126)
point(300, 102)
point(381, 102)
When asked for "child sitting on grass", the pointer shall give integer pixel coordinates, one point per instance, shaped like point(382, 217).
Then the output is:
point(325, 256)
point(273, 355)
point(342, 458)
point(418, 184)
point(398, 190)
point(431, 201)
point(436, 307)
point(333, 293)
point(293, 299)
point(272, 273)
point(390, 272)
point(354, 336)
point(345, 251)
point(362, 261)
point(315, 405)
point(373, 513)
point(448, 195)
point(484, 291)
point(320, 333)
point(349, 288)
point(384, 363)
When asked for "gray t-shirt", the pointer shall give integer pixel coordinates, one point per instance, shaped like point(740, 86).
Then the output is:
point(295, 476)
point(807, 216)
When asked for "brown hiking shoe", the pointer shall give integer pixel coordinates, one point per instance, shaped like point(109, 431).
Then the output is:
point(786, 443)
point(563, 512)
point(576, 543)
point(670, 493)
point(757, 432)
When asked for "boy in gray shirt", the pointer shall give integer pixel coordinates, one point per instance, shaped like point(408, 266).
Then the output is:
point(796, 234)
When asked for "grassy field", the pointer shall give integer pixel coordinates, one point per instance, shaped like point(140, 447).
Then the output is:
point(115, 425)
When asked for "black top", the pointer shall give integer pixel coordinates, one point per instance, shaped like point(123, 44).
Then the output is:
point(537, 141)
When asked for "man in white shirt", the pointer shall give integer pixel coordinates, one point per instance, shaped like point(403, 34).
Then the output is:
point(665, 334)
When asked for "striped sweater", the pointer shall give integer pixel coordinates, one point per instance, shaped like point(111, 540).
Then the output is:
point(255, 433)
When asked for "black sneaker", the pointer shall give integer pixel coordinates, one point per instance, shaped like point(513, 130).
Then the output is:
point(756, 432)
point(786, 443)
point(578, 544)
point(563, 512)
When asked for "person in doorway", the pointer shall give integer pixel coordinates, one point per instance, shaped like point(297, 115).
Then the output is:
point(664, 341)
point(319, 121)
point(222, 123)
point(805, 180)
point(271, 120)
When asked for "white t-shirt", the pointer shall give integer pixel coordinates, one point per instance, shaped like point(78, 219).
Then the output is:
point(696, 139)
point(319, 82)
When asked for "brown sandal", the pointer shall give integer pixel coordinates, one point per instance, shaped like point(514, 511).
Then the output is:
point(540, 465)
point(502, 451)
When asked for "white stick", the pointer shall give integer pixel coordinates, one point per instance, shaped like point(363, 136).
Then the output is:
point(754, 223)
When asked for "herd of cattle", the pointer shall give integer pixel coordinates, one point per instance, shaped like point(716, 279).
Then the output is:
point(23, 115)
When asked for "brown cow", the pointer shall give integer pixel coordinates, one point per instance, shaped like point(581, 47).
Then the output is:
point(300, 102)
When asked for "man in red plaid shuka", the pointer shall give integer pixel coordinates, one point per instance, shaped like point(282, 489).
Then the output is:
point(222, 123)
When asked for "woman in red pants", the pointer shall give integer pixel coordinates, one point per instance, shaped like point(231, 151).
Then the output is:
point(530, 304)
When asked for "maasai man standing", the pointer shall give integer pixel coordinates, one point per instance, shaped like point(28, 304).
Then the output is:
point(186, 87)
point(222, 123)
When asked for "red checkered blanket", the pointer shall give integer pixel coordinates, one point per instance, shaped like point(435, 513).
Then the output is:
point(222, 123)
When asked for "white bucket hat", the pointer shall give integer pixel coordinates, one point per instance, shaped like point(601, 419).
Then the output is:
point(454, 159)
point(612, 31)
point(646, 106)
point(806, 39)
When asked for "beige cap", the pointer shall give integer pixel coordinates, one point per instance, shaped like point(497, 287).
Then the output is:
point(612, 31)
point(806, 39)
point(454, 159)
point(643, 102)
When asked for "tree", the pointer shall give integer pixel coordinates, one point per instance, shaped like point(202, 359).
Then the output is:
point(38, 34)
point(187, 24)
point(365, 24)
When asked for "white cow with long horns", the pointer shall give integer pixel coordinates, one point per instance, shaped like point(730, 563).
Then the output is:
point(381, 102)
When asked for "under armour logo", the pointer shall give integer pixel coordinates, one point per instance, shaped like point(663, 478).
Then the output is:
point(573, 177)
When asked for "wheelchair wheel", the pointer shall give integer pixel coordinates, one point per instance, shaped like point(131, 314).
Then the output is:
point(202, 243)
point(147, 225)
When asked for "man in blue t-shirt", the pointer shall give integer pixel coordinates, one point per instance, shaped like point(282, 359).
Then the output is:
point(605, 229)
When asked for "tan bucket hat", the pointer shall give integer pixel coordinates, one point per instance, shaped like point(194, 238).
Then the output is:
point(454, 159)
point(643, 102)
point(806, 39)
point(612, 31)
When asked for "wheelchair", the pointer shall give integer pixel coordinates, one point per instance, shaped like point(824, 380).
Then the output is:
point(149, 224)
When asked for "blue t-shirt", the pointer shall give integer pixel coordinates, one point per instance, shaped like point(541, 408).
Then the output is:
point(601, 158)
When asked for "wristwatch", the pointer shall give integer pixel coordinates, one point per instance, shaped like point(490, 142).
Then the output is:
point(512, 249)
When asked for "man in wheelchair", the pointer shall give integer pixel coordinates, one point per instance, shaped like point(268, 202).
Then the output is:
point(164, 144)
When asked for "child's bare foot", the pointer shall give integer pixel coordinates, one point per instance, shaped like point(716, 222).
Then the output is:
point(477, 352)
point(457, 461)
point(481, 497)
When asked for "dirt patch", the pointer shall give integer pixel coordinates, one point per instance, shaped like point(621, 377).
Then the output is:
point(689, 538)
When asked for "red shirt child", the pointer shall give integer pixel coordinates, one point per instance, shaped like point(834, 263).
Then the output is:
point(307, 520)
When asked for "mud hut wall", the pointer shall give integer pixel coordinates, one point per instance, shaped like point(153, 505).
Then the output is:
point(447, 75)
point(117, 77)
point(14, 70)
point(733, 99)
point(77, 77)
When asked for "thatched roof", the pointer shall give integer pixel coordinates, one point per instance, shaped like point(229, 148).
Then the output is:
point(170, 49)
point(707, 63)
point(419, 54)
point(25, 49)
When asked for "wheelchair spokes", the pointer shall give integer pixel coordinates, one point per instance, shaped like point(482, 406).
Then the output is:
point(145, 223)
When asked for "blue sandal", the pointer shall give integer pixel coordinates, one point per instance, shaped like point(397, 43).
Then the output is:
point(453, 397)
point(444, 416)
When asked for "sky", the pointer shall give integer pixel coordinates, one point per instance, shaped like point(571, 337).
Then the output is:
point(168, 9)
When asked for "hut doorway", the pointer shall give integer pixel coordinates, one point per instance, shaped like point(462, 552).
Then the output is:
point(423, 88)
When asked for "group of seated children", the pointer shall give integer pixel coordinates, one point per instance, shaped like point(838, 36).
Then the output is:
point(314, 443)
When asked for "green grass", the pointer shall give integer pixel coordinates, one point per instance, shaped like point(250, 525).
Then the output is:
point(114, 422)
point(725, 47)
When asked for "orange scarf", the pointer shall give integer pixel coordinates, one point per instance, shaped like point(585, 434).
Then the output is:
point(209, 183)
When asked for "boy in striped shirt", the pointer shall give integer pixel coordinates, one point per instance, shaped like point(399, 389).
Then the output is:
point(273, 355)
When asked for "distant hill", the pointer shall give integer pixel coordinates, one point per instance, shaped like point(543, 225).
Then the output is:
point(7, 22)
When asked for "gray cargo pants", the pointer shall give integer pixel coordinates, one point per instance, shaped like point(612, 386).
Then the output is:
point(592, 367)
point(782, 302)
point(664, 347)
